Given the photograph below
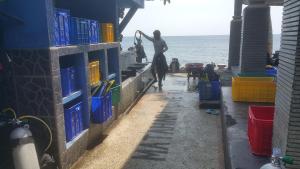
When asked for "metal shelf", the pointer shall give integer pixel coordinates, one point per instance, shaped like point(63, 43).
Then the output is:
point(70, 143)
point(75, 49)
point(71, 97)
point(111, 76)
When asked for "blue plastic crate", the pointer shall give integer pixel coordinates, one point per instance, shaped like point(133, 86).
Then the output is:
point(79, 31)
point(101, 108)
point(94, 31)
point(73, 121)
point(209, 90)
point(62, 27)
point(68, 80)
point(271, 71)
point(79, 122)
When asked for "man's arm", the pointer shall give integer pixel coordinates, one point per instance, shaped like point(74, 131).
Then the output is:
point(147, 37)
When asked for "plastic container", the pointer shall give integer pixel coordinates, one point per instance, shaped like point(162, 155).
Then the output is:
point(253, 89)
point(78, 117)
point(189, 67)
point(107, 32)
point(68, 80)
point(209, 90)
point(94, 68)
point(260, 129)
point(73, 121)
point(79, 31)
point(271, 71)
point(101, 108)
point(94, 31)
point(116, 95)
point(62, 27)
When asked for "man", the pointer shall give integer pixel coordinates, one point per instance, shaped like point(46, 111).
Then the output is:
point(159, 65)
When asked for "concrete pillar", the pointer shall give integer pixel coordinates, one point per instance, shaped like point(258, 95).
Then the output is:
point(255, 35)
point(286, 131)
point(235, 35)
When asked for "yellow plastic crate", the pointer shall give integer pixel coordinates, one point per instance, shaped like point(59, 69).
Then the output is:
point(107, 32)
point(254, 89)
point(94, 68)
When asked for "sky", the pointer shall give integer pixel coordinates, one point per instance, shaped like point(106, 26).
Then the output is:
point(190, 17)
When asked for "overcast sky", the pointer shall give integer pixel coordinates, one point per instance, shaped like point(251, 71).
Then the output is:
point(190, 17)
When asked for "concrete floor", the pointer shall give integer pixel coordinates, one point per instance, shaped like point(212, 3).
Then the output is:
point(165, 130)
point(238, 152)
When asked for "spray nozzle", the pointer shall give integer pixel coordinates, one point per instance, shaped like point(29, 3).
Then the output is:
point(287, 160)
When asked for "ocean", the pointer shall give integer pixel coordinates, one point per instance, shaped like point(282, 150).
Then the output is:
point(189, 49)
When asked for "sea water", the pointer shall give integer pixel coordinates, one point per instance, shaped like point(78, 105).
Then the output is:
point(190, 49)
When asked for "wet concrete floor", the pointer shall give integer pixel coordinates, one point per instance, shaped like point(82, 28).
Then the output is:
point(239, 155)
point(165, 130)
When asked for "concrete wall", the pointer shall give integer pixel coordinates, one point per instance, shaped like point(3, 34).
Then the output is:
point(126, 59)
point(132, 87)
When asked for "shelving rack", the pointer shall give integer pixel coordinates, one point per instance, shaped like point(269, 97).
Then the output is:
point(27, 37)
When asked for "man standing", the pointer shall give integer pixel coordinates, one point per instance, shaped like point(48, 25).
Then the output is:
point(159, 65)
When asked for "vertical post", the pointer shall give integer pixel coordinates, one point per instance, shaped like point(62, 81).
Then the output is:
point(235, 35)
point(286, 121)
point(255, 33)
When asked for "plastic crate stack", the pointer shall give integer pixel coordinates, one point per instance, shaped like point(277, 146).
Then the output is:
point(75, 31)
point(95, 74)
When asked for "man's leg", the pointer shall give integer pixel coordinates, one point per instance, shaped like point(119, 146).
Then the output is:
point(160, 78)
point(153, 73)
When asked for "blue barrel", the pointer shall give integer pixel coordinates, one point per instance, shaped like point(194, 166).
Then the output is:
point(209, 90)
point(216, 90)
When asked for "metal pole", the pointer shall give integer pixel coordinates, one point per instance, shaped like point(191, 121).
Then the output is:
point(127, 18)
point(238, 4)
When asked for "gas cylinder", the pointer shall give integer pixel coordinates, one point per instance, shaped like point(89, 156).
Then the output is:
point(277, 160)
point(23, 149)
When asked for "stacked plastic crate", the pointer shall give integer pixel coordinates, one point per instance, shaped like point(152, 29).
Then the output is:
point(73, 121)
point(61, 26)
point(73, 30)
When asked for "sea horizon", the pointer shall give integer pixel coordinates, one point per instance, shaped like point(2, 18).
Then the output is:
point(190, 49)
point(194, 35)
